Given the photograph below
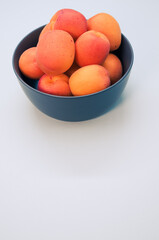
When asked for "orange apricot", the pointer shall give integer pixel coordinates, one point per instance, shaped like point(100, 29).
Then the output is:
point(55, 16)
point(89, 79)
point(72, 69)
point(70, 21)
point(62, 77)
point(49, 26)
point(55, 85)
point(91, 47)
point(108, 25)
point(55, 52)
point(28, 64)
point(114, 66)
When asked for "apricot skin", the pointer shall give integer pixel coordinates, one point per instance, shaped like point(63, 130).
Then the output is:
point(114, 66)
point(70, 21)
point(28, 64)
point(89, 79)
point(55, 52)
point(106, 24)
point(91, 48)
point(55, 85)
point(62, 77)
point(49, 26)
point(72, 69)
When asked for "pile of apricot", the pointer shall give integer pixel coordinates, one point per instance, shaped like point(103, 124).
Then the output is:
point(74, 56)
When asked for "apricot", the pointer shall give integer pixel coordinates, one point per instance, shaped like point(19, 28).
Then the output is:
point(62, 77)
point(49, 26)
point(55, 85)
point(55, 52)
point(89, 79)
point(91, 47)
point(106, 24)
point(72, 69)
point(70, 21)
point(114, 66)
point(28, 64)
point(54, 17)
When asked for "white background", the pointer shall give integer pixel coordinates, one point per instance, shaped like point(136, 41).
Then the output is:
point(97, 179)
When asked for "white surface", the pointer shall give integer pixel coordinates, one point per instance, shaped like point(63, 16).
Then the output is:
point(97, 179)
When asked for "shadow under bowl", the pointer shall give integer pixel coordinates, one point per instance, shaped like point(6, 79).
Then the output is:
point(72, 108)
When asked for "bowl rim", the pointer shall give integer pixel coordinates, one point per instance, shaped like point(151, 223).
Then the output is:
point(71, 97)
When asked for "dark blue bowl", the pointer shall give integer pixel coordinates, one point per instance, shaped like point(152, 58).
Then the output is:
point(73, 108)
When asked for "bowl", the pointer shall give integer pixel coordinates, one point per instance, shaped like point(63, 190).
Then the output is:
point(73, 108)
